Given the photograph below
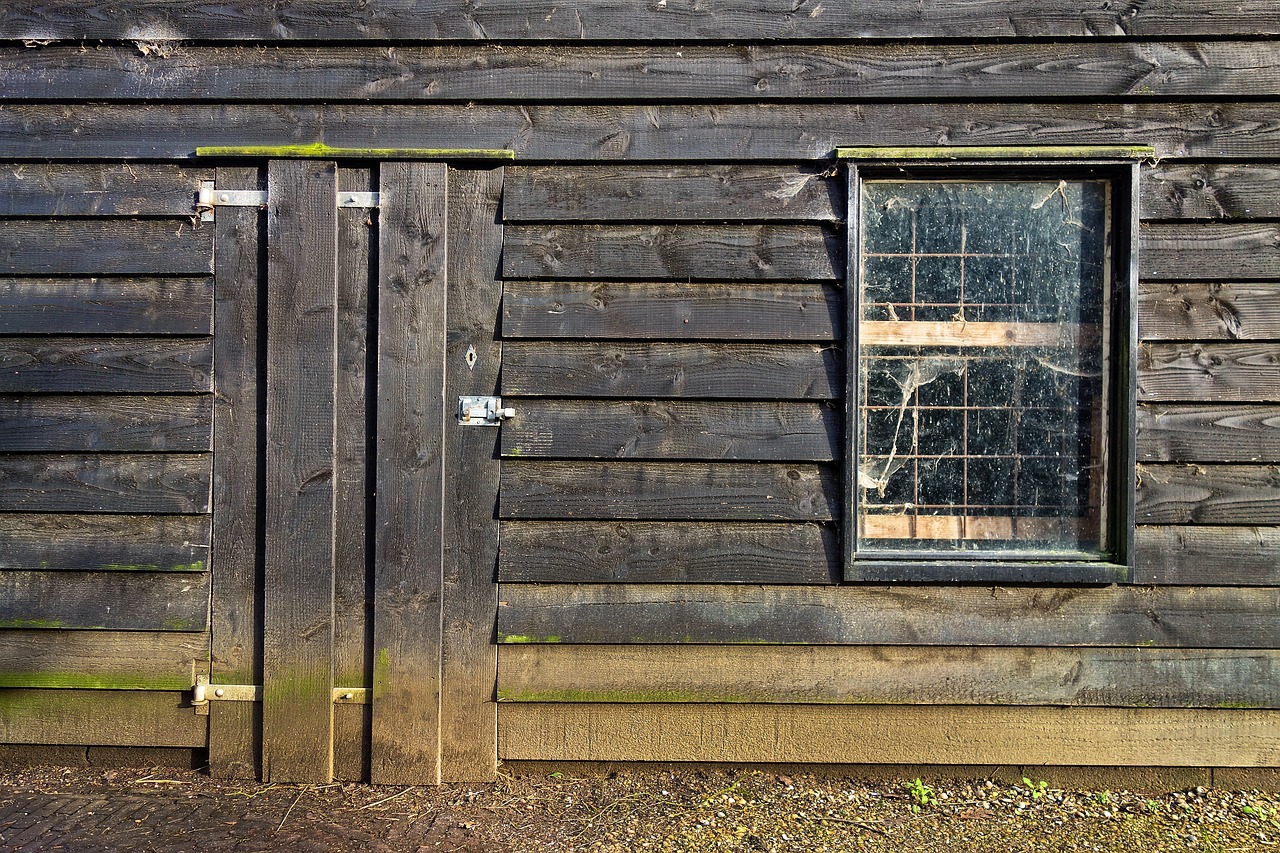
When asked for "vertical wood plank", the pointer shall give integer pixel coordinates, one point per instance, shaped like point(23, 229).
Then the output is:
point(468, 715)
point(297, 701)
point(236, 617)
point(410, 423)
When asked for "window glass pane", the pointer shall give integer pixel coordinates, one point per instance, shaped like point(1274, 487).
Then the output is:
point(983, 314)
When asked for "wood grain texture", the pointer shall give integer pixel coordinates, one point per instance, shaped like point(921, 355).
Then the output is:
point(890, 615)
point(90, 423)
point(724, 491)
point(110, 365)
point(112, 601)
point(297, 700)
point(105, 247)
point(566, 132)
point(115, 482)
point(1210, 372)
point(672, 311)
point(682, 20)
point(671, 193)
point(1211, 191)
point(1210, 252)
point(664, 429)
point(676, 252)
point(880, 734)
point(1208, 311)
point(92, 189)
point(235, 731)
point(68, 542)
point(468, 716)
point(702, 371)
point(1192, 432)
point(1207, 494)
point(667, 552)
point(110, 660)
point(891, 675)
point(412, 253)
point(106, 306)
point(101, 718)
point(1207, 555)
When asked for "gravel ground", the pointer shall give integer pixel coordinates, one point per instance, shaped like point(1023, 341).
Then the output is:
point(695, 809)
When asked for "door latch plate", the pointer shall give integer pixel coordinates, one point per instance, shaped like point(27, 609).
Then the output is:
point(482, 411)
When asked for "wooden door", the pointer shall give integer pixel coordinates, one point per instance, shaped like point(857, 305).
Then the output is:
point(365, 606)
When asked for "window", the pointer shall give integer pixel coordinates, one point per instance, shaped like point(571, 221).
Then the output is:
point(990, 413)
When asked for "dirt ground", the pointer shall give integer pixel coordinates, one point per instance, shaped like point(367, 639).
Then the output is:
point(667, 809)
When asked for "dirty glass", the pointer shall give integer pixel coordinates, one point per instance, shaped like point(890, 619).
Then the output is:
point(982, 345)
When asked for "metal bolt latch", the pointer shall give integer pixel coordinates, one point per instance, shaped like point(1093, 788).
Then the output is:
point(483, 411)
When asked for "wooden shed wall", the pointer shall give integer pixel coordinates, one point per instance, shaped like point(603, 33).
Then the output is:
point(672, 330)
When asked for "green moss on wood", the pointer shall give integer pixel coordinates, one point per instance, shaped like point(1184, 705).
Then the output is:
point(1001, 152)
point(197, 566)
point(524, 638)
point(94, 681)
point(319, 150)
point(40, 623)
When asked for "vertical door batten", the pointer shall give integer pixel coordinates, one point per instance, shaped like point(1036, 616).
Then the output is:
point(410, 426)
point(297, 706)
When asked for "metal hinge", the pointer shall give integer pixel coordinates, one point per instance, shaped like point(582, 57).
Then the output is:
point(209, 198)
point(202, 693)
point(482, 411)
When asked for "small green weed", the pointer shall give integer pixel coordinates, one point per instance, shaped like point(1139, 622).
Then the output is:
point(1036, 789)
point(1102, 798)
point(1261, 813)
point(922, 796)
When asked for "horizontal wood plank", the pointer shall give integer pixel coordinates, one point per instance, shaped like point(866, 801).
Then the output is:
point(671, 193)
point(617, 20)
point(1207, 555)
point(891, 675)
point(112, 601)
point(665, 429)
point(729, 491)
point(65, 542)
point(88, 189)
point(882, 734)
point(106, 365)
point(801, 311)
point(1210, 252)
point(1207, 494)
point(102, 246)
point(83, 423)
point(1208, 311)
point(106, 306)
point(567, 132)
point(676, 252)
point(667, 552)
point(124, 660)
point(112, 482)
point(1190, 432)
point(891, 615)
point(707, 371)
point(1210, 372)
point(1211, 191)
point(101, 718)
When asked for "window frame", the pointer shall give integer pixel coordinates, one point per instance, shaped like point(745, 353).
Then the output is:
point(1121, 167)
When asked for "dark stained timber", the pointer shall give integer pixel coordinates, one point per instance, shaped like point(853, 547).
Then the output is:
point(114, 601)
point(890, 615)
point(761, 371)
point(1207, 494)
point(617, 20)
point(1208, 555)
point(729, 491)
point(105, 365)
point(1208, 191)
point(671, 193)
point(667, 552)
point(1192, 432)
point(1212, 373)
point(106, 306)
point(81, 423)
point(565, 133)
point(127, 543)
point(1208, 311)
point(102, 246)
point(134, 660)
point(1210, 252)
point(92, 189)
point(680, 252)
point(114, 482)
point(106, 718)
point(672, 311)
point(662, 429)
